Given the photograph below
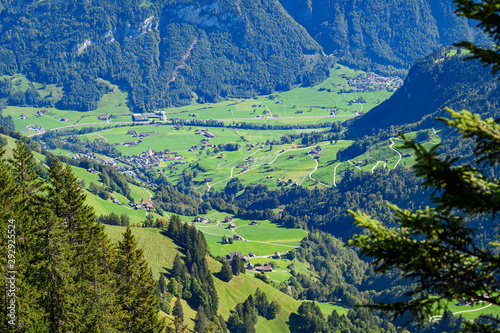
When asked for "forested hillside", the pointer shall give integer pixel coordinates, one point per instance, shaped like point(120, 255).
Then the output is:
point(163, 52)
point(433, 83)
point(386, 36)
point(170, 52)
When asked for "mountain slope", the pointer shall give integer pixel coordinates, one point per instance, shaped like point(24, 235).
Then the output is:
point(162, 52)
point(381, 35)
point(437, 81)
point(159, 251)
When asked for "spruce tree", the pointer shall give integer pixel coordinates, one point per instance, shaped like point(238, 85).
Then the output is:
point(226, 272)
point(178, 311)
point(52, 273)
point(162, 284)
point(93, 275)
point(236, 265)
point(136, 288)
point(200, 321)
point(26, 205)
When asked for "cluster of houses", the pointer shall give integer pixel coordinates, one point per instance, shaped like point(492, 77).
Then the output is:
point(150, 158)
point(257, 268)
point(472, 300)
point(204, 132)
point(36, 128)
point(283, 182)
point(366, 82)
point(135, 135)
point(148, 205)
point(140, 135)
point(203, 145)
point(315, 152)
point(93, 157)
point(115, 200)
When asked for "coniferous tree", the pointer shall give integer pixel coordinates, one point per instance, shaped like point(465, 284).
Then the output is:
point(201, 321)
point(179, 270)
point(236, 265)
point(136, 287)
point(173, 287)
point(93, 277)
point(178, 311)
point(226, 272)
point(52, 273)
point(162, 284)
point(28, 202)
point(177, 326)
point(16, 230)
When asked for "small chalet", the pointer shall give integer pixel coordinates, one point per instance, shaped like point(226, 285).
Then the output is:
point(231, 225)
point(129, 143)
point(240, 166)
point(315, 151)
point(250, 254)
point(263, 268)
point(209, 179)
point(249, 266)
point(237, 237)
point(253, 222)
point(102, 117)
point(147, 204)
point(63, 119)
point(200, 219)
point(228, 219)
point(132, 132)
point(277, 255)
point(138, 117)
point(23, 116)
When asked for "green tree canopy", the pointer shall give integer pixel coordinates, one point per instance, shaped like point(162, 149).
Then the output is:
point(434, 247)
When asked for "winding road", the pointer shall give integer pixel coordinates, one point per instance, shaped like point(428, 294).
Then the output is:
point(316, 168)
point(434, 318)
point(400, 156)
point(335, 173)
point(385, 164)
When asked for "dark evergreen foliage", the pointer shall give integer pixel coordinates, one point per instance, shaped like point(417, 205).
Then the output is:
point(383, 36)
point(160, 53)
point(66, 279)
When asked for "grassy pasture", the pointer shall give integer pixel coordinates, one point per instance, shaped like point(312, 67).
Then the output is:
point(113, 103)
point(160, 252)
point(265, 238)
point(313, 101)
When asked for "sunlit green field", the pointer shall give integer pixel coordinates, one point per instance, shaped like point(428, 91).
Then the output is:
point(262, 239)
